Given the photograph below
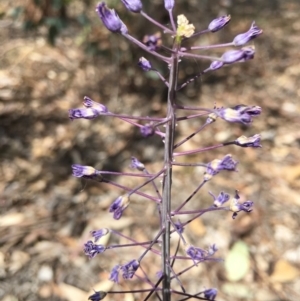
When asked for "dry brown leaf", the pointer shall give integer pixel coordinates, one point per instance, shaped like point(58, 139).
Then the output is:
point(284, 272)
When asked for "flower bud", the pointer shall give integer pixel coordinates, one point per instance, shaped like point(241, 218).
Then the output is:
point(169, 4)
point(153, 42)
point(244, 38)
point(244, 141)
point(219, 23)
point(210, 294)
point(97, 296)
point(129, 269)
point(134, 6)
point(144, 64)
point(135, 163)
point(119, 205)
point(110, 19)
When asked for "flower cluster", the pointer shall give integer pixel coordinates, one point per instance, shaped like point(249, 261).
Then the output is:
point(163, 128)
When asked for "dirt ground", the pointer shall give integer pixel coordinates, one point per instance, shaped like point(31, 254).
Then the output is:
point(46, 214)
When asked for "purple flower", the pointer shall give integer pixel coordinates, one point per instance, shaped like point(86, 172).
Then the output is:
point(215, 166)
point(110, 19)
point(134, 6)
point(114, 275)
point(219, 23)
point(129, 269)
point(169, 4)
point(135, 163)
point(244, 141)
point(244, 38)
point(221, 199)
point(240, 113)
point(89, 103)
point(91, 249)
point(97, 296)
point(153, 42)
point(119, 205)
point(97, 234)
point(195, 253)
point(236, 207)
point(88, 113)
point(81, 171)
point(144, 64)
point(147, 130)
point(240, 55)
point(210, 294)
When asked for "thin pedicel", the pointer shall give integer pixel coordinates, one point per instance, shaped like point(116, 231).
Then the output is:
point(169, 274)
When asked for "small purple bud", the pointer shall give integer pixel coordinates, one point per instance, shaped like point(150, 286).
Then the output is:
point(119, 205)
point(232, 56)
point(144, 64)
point(147, 130)
point(129, 269)
point(236, 207)
point(114, 275)
point(240, 113)
point(110, 19)
point(215, 65)
point(97, 296)
point(169, 4)
point(179, 227)
point(97, 234)
point(212, 250)
point(135, 163)
point(244, 141)
point(210, 294)
point(244, 38)
point(87, 113)
point(153, 42)
point(219, 23)
point(89, 103)
point(91, 249)
point(221, 199)
point(195, 253)
point(215, 166)
point(134, 6)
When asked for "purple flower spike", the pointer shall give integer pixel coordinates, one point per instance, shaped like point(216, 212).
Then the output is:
point(244, 141)
point(153, 42)
point(97, 296)
point(110, 19)
point(169, 4)
point(240, 113)
point(236, 207)
point(134, 6)
point(89, 103)
point(210, 294)
point(119, 205)
point(97, 234)
point(129, 269)
point(219, 23)
point(88, 113)
point(91, 249)
point(195, 253)
point(244, 38)
point(221, 199)
point(114, 275)
point(144, 64)
point(135, 163)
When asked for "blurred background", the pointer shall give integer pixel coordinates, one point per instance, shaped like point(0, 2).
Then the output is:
point(52, 54)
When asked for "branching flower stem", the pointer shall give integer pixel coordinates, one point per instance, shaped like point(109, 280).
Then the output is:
point(167, 183)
